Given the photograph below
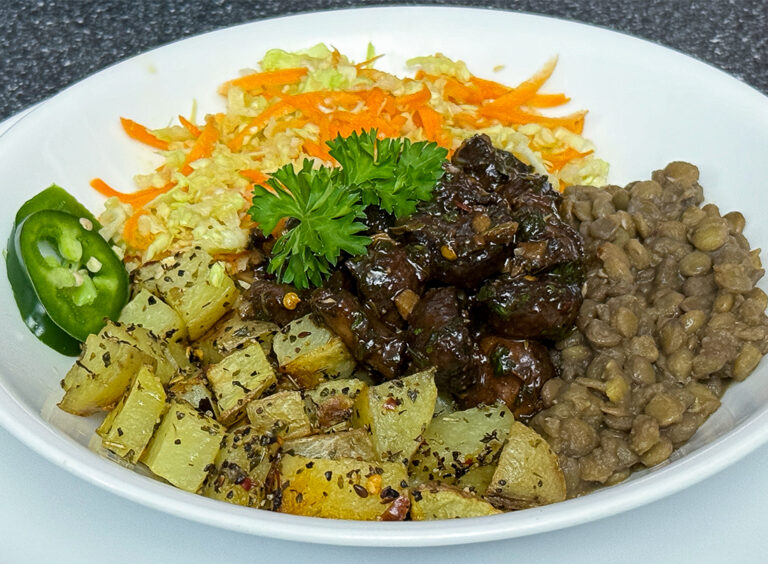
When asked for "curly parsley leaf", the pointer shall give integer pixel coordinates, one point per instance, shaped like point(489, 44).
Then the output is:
point(325, 223)
point(394, 174)
point(324, 204)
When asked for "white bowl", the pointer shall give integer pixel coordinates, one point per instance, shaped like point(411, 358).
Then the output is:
point(648, 106)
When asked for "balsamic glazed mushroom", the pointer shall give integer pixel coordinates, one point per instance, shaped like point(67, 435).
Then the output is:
point(473, 283)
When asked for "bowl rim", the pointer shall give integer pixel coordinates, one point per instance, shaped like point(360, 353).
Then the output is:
point(63, 451)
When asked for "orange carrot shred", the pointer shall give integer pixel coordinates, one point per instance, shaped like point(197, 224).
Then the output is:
point(462, 93)
point(489, 89)
point(431, 123)
point(189, 126)
point(548, 100)
point(276, 110)
point(317, 151)
point(136, 199)
point(260, 80)
point(525, 90)
point(140, 133)
point(559, 160)
point(514, 116)
point(131, 232)
point(203, 147)
point(255, 176)
point(416, 99)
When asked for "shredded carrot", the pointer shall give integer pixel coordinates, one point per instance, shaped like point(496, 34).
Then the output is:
point(296, 123)
point(432, 123)
point(189, 126)
point(140, 133)
point(203, 147)
point(136, 199)
point(514, 116)
point(317, 151)
point(278, 109)
point(489, 89)
point(559, 160)
point(527, 89)
point(415, 100)
point(260, 80)
point(361, 66)
point(548, 100)
point(255, 176)
point(462, 93)
point(131, 232)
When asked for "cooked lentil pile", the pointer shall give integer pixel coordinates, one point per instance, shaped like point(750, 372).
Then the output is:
point(671, 315)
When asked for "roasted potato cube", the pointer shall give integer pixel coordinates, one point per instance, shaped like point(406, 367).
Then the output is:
point(456, 445)
point(239, 378)
point(355, 443)
point(438, 501)
point(242, 469)
point(340, 489)
point(232, 333)
point(184, 446)
point(528, 473)
point(164, 363)
point(397, 413)
point(128, 428)
point(310, 353)
point(150, 312)
point(198, 288)
point(101, 375)
point(195, 391)
point(280, 415)
point(331, 403)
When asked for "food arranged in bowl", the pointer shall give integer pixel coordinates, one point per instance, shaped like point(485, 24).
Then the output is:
point(331, 317)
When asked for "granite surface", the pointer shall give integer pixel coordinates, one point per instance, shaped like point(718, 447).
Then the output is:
point(46, 45)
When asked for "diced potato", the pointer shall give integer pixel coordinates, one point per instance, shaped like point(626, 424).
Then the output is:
point(239, 378)
point(280, 415)
point(242, 468)
point(232, 333)
point(436, 501)
point(341, 489)
point(101, 375)
point(152, 313)
point(457, 445)
point(184, 446)
point(397, 413)
point(193, 284)
point(528, 473)
point(128, 428)
point(195, 391)
point(355, 443)
point(163, 362)
point(331, 403)
point(310, 353)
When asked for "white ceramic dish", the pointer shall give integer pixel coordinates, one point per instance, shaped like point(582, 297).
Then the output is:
point(649, 105)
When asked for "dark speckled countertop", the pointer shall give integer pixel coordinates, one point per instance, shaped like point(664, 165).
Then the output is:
point(47, 45)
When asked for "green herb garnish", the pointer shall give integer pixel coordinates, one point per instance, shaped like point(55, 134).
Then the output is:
point(393, 174)
point(325, 216)
point(322, 205)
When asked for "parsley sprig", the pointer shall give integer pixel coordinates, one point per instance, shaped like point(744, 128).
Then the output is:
point(393, 174)
point(322, 205)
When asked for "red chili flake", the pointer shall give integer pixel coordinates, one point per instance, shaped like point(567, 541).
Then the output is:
point(398, 510)
point(246, 484)
point(390, 404)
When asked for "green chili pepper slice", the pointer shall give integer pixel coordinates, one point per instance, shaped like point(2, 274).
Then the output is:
point(32, 311)
point(76, 275)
